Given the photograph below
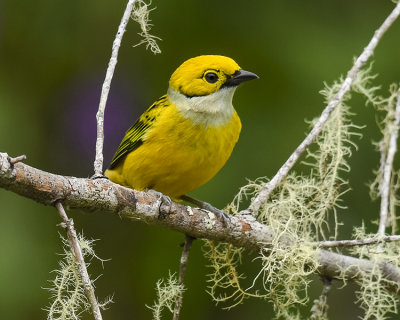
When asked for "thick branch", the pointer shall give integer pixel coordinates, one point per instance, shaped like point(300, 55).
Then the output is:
point(103, 195)
point(337, 99)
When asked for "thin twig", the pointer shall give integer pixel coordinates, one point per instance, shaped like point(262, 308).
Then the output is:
point(387, 169)
point(357, 242)
point(98, 162)
point(320, 307)
point(338, 98)
point(17, 159)
point(80, 262)
point(182, 271)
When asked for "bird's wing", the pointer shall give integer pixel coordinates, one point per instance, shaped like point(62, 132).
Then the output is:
point(134, 136)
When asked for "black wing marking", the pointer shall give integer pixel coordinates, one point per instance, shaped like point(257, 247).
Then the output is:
point(134, 135)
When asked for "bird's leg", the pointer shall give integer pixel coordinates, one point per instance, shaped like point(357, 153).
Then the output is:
point(206, 206)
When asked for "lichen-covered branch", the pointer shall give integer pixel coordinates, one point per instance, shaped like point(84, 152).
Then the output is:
point(80, 261)
point(338, 98)
point(357, 242)
point(319, 310)
point(387, 167)
point(103, 195)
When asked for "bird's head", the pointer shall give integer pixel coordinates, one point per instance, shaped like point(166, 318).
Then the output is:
point(202, 88)
point(204, 75)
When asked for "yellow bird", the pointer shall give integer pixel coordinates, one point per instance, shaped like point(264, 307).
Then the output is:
point(187, 135)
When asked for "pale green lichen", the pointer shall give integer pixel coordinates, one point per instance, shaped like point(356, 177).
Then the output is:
point(319, 310)
point(300, 211)
point(140, 14)
point(167, 293)
point(286, 271)
point(67, 290)
point(386, 108)
point(224, 280)
point(373, 296)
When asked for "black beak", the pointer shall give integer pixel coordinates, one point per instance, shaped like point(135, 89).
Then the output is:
point(239, 77)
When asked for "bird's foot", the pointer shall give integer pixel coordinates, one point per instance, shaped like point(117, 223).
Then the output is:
point(208, 207)
point(162, 196)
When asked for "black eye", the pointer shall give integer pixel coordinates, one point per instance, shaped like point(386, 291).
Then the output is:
point(211, 77)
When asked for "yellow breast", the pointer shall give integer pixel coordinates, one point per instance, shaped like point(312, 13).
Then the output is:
point(178, 155)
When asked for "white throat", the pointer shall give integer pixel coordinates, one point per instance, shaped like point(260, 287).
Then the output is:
point(211, 110)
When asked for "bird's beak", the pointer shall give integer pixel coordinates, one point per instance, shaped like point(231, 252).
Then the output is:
point(239, 77)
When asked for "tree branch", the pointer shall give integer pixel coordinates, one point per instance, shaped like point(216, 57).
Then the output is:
point(387, 167)
point(351, 76)
point(98, 162)
point(357, 242)
point(17, 159)
point(182, 272)
point(103, 195)
point(319, 310)
point(80, 261)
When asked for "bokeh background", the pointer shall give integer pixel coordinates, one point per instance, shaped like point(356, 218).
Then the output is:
point(53, 58)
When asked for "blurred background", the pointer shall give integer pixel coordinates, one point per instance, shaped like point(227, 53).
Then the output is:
point(53, 58)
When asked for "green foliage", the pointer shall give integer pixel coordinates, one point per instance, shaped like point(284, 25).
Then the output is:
point(67, 291)
point(167, 293)
point(140, 14)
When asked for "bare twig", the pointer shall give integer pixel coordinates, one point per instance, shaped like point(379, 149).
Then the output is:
point(387, 169)
point(17, 159)
point(357, 242)
point(182, 271)
point(103, 195)
point(98, 163)
point(351, 76)
point(80, 262)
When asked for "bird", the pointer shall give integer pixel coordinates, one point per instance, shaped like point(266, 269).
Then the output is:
point(186, 136)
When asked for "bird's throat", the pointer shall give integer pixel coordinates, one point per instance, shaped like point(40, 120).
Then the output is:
point(215, 109)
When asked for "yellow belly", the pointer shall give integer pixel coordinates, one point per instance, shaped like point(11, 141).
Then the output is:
point(177, 156)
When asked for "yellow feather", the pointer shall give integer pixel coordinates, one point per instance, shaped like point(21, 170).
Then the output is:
point(185, 137)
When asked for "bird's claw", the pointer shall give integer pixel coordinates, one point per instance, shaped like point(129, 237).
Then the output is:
point(219, 213)
point(208, 207)
point(163, 197)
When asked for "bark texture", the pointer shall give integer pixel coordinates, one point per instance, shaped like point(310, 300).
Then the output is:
point(103, 195)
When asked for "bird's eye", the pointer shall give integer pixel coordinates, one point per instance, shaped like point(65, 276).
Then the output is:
point(211, 77)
